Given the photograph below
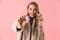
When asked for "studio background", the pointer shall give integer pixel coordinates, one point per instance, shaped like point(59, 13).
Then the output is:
point(11, 9)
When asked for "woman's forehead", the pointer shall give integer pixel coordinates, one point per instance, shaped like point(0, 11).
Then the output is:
point(32, 6)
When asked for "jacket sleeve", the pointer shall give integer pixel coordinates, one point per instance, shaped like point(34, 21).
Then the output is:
point(41, 33)
point(16, 27)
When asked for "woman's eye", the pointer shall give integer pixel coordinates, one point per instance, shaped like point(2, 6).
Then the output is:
point(30, 9)
point(34, 9)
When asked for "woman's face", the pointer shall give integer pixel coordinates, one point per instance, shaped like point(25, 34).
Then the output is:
point(32, 10)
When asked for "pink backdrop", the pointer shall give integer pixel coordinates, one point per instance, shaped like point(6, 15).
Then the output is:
point(11, 9)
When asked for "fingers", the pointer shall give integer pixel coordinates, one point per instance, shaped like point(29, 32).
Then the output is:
point(22, 18)
point(40, 18)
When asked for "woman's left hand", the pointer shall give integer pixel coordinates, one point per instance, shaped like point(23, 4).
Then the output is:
point(40, 20)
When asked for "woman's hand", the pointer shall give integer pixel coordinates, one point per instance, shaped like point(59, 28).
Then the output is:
point(40, 20)
point(22, 21)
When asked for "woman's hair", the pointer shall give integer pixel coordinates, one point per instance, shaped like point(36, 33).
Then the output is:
point(37, 9)
point(35, 4)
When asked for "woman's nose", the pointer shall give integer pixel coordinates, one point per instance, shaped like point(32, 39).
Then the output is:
point(32, 11)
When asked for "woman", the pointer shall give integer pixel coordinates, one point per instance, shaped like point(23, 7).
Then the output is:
point(29, 27)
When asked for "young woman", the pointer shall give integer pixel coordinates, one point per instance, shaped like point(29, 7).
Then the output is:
point(29, 27)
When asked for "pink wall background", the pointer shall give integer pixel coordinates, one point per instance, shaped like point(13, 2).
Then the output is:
point(11, 9)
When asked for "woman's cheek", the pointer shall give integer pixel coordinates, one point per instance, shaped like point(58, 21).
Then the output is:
point(35, 11)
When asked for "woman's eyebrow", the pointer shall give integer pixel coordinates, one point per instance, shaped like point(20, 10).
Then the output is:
point(30, 8)
point(35, 9)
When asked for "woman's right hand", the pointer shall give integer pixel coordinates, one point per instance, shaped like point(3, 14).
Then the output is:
point(22, 21)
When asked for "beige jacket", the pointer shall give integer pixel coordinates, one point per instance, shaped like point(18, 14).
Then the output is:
point(34, 32)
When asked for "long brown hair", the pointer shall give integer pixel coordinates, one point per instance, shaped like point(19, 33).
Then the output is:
point(35, 4)
point(37, 9)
